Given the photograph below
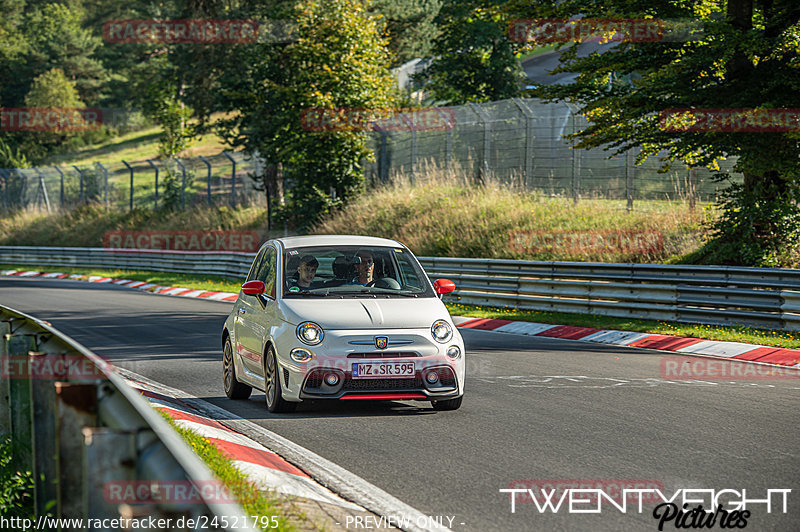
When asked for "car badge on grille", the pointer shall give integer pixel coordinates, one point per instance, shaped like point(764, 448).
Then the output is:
point(381, 342)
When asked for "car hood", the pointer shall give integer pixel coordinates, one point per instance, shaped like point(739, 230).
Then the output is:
point(363, 313)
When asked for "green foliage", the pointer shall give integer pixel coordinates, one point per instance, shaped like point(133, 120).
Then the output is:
point(757, 227)
point(16, 487)
point(410, 26)
point(53, 89)
point(339, 60)
point(474, 58)
point(744, 56)
point(163, 106)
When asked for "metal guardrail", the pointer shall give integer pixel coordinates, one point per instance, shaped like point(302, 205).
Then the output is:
point(757, 297)
point(87, 436)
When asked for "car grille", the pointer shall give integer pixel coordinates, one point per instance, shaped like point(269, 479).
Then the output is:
point(381, 384)
point(393, 354)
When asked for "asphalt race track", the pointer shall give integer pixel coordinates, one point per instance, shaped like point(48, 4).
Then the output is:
point(537, 410)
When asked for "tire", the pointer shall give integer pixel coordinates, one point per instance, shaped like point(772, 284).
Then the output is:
point(447, 404)
point(233, 388)
point(272, 386)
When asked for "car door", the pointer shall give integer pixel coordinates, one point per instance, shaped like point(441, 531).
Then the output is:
point(253, 313)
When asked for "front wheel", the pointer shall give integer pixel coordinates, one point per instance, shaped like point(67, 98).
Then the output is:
point(233, 388)
point(272, 385)
point(447, 404)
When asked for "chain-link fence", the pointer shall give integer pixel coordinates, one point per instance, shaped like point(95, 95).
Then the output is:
point(222, 179)
point(521, 141)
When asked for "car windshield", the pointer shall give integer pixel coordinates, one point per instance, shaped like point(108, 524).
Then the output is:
point(353, 271)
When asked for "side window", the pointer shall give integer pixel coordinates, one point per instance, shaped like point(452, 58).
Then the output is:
point(268, 271)
point(256, 265)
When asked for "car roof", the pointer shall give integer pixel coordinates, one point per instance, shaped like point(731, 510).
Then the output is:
point(336, 240)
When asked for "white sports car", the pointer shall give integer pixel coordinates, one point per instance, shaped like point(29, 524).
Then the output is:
point(345, 318)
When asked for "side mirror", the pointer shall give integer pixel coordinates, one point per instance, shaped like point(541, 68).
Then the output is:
point(443, 286)
point(254, 288)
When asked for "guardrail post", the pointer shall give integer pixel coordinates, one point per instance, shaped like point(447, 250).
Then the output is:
point(208, 180)
point(692, 186)
point(76, 408)
point(19, 397)
point(109, 457)
point(131, 170)
point(233, 178)
point(43, 423)
point(151, 163)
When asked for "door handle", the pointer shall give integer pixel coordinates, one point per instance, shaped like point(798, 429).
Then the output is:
point(242, 311)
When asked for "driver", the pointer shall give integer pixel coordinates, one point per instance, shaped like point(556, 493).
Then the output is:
point(365, 268)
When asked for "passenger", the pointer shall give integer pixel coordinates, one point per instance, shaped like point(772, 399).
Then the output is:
point(306, 270)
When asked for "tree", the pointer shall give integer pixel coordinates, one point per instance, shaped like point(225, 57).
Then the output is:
point(53, 89)
point(410, 26)
point(338, 60)
point(746, 57)
point(474, 58)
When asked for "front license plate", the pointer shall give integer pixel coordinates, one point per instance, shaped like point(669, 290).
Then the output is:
point(397, 370)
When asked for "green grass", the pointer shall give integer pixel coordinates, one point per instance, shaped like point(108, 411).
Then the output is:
point(748, 335)
point(86, 225)
point(133, 147)
point(256, 503)
point(442, 214)
point(205, 282)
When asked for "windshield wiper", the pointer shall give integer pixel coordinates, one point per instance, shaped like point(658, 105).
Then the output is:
point(306, 293)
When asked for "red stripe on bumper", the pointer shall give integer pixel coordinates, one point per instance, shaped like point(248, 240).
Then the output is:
point(383, 396)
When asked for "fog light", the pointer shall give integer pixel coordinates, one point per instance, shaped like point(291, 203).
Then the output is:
point(331, 379)
point(454, 351)
point(432, 377)
point(300, 355)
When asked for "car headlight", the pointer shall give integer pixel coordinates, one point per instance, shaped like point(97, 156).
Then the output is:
point(441, 331)
point(310, 333)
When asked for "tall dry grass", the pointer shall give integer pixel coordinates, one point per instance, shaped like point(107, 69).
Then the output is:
point(86, 225)
point(443, 213)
